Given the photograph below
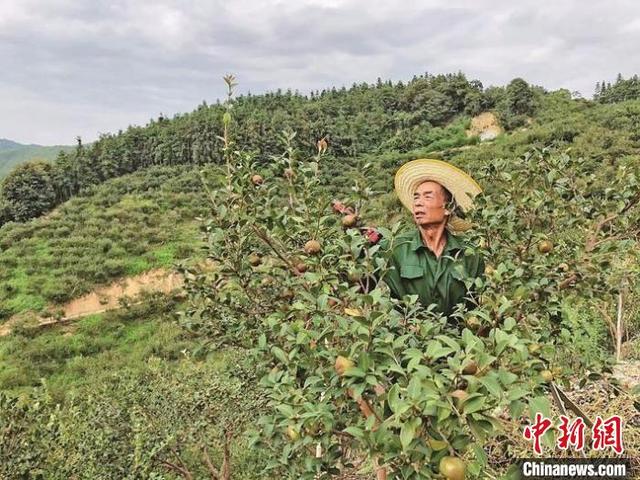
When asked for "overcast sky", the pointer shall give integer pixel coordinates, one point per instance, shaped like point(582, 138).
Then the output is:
point(79, 67)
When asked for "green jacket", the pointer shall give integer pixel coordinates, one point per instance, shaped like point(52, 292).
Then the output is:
point(417, 271)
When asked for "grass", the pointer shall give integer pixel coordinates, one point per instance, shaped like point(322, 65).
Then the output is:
point(78, 354)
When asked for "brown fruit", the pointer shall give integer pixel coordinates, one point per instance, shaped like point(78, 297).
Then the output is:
point(545, 246)
point(452, 468)
point(470, 369)
point(292, 433)
point(459, 394)
point(257, 179)
point(332, 302)
point(288, 173)
point(342, 364)
point(563, 267)
point(287, 294)
point(489, 270)
point(301, 267)
point(312, 247)
point(254, 259)
point(473, 322)
point(546, 375)
point(266, 282)
point(349, 221)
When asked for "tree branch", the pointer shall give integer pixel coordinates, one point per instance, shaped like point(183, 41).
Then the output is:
point(215, 475)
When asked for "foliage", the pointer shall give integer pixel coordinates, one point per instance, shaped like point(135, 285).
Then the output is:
point(158, 422)
point(356, 121)
point(622, 89)
point(28, 191)
point(353, 374)
point(123, 227)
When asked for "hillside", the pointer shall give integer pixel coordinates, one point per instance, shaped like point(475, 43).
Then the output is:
point(169, 385)
point(13, 154)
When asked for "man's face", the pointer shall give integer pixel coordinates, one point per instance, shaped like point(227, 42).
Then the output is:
point(429, 201)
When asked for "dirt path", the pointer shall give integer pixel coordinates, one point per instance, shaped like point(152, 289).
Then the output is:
point(108, 297)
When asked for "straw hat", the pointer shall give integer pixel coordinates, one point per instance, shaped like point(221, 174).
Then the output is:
point(462, 186)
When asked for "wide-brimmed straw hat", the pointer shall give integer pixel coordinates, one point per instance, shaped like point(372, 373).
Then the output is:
point(462, 186)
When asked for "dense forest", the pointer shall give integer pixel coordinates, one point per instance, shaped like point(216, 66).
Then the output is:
point(360, 120)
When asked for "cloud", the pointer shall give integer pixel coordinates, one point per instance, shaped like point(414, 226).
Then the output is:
point(83, 67)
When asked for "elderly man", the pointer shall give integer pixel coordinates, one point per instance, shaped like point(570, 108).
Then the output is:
point(430, 260)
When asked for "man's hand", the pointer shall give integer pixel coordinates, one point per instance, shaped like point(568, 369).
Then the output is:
point(340, 207)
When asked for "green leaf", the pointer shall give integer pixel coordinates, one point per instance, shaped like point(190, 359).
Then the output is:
point(516, 408)
point(355, 431)
point(492, 385)
point(506, 377)
point(354, 372)
point(279, 354)
point(414, 388)
point(286, 410)
point(449, 341)
point(393, 398)
point(473, 405)
point(516, 393)
point(408, 431)
point(480, 454)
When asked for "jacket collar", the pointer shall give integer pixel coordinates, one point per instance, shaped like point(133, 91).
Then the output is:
point(453, 242)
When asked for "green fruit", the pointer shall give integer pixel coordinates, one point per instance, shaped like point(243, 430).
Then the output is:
point(546, 375)
point(354, 276)
point(292, 433)
point(452, 468)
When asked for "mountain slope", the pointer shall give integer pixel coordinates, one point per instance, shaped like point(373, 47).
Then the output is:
point(13, 153)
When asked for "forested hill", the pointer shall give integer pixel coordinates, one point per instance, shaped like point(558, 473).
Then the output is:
point(427, 113)
point(13, 154)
